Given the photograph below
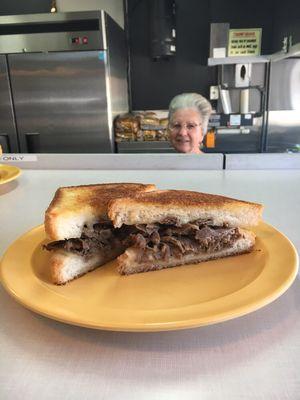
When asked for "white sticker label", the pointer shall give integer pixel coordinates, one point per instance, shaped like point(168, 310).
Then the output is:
point(219, 52)
point(18, 157)
point(235, 120)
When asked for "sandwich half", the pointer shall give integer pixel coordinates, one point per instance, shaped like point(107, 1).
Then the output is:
point(80, 233)
point(176, 227)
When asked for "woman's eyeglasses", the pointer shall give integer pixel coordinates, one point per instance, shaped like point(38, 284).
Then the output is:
point(176, 127)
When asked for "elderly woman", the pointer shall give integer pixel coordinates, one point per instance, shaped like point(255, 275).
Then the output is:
point(188, 119)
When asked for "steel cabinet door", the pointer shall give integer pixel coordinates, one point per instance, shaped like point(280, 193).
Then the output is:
point(284, 107)
point(8, 134)
point(60, 102)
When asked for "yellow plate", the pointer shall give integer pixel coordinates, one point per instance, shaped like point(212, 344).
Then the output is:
point(176, 298)
point(8, 173)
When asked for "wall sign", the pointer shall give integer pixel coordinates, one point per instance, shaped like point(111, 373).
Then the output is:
point(244, 42)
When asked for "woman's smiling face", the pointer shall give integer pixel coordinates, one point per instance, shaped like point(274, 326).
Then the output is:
point(186, 133)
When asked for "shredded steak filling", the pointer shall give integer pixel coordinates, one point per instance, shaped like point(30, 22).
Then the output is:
point(99, 237)
point(158, 241)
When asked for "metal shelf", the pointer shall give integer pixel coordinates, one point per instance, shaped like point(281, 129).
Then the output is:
point(294, 51)
point(238, 60)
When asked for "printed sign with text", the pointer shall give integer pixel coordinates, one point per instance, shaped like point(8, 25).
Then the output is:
point(244, 42)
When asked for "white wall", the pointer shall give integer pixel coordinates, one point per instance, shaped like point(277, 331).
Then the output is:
point(113, 7)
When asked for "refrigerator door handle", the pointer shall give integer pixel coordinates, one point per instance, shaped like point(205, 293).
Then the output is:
point(33, 142)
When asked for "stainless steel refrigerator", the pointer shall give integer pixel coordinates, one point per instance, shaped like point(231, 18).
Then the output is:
point(283, 125)
point(63, 79)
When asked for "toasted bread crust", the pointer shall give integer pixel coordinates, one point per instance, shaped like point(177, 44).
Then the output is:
point(86, 201)
point(184, 205)
point(185, 198)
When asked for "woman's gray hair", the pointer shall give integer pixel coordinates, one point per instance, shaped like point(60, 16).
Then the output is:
point(195, 101)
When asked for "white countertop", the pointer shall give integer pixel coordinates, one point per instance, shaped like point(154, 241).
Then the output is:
point(253, 357)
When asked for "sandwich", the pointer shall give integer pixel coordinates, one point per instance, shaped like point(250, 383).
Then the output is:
point(176, 227)
point(81, 236)
point(142, 228)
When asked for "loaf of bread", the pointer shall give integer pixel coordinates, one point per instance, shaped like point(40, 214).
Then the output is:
point(149, 135)
point(126, 123)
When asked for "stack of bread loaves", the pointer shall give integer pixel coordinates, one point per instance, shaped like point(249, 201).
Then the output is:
point(153, 128)
point(126, 128)
point(141, 126)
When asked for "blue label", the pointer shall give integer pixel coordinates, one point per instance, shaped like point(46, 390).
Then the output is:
point(101, 55)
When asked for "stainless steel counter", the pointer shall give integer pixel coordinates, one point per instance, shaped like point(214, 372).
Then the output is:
point(145, 147)
point(176, 161)
point(115, 161)
point(263, 161)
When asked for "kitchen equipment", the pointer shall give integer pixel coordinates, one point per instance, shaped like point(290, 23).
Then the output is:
point(239, 120)
point(283, 126)
point(225, 100)
point(63, 82)
point(244, 101)
point(218, 39)
point(162, 29)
